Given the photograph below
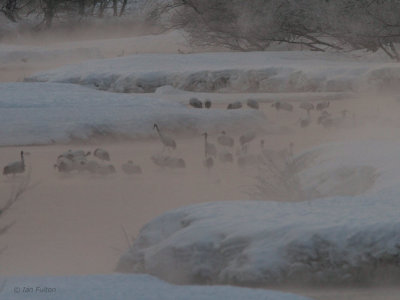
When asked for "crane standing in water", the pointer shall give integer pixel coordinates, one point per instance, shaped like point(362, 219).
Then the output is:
point(166, 140)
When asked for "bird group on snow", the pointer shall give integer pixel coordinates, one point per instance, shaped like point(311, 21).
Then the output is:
point(98, 161)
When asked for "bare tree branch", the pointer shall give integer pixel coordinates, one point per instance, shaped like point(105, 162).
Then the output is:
point(16, 195)
point(341, 25)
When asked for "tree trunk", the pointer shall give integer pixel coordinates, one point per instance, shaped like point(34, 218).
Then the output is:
point(115, 8)
point(49, 11)
point(103, 5)
point(81, 7)
point(93, 7)
point(123, 7)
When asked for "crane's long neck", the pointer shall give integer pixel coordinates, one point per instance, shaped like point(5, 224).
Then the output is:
point(158, 131)
point(22, 158)
point(205, 145)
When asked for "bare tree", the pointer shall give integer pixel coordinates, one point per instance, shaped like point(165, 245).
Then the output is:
point(342, 25)
point(122, 10)
point(9, 8)
point(48, 10)
point(13, 8)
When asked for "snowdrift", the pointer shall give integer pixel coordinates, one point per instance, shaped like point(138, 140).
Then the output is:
point(335, 241)
point(271, 72)
point(40, 113)
point(121, 287)
point(353, 238)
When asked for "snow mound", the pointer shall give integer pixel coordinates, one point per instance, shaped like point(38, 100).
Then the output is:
point(340, 240)
point(352, 237)
point(40, 113)
point(293, 71)
point(121, 287)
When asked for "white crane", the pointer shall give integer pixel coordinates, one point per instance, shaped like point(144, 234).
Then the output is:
point(71, 160)
point(169, 162)
point(234, 105)
point(15, 167)
point(101, 154)
point(209, 149)
point(225, 140)
point(95, 167)
point(208, 162)
point(196, 103)
point(304, 122)
point(74, 155)
point(322, 105)
point(247, 138)
point(166, 140)
point(307, 107)
point(282, 105)
point(253, 104)
point(131, 168)
point(225, 156)
point(324, 115)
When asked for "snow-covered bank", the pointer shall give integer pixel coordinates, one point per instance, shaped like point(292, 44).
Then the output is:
point(335, 240)
point(341, 240)
point(135, 287)
point(40, 113)
point(293, 71)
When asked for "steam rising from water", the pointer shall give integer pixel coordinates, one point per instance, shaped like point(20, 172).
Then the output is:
point(79, 217)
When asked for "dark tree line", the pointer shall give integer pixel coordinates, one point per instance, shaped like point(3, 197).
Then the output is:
point(343, 25)
point(17, 10)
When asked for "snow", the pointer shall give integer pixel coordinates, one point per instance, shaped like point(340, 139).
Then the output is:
point(41, 113)
point(290, 71)
point(337, 239)
point(135, 287)
point(347, 233)
point(333, 240)
point(89, 49)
